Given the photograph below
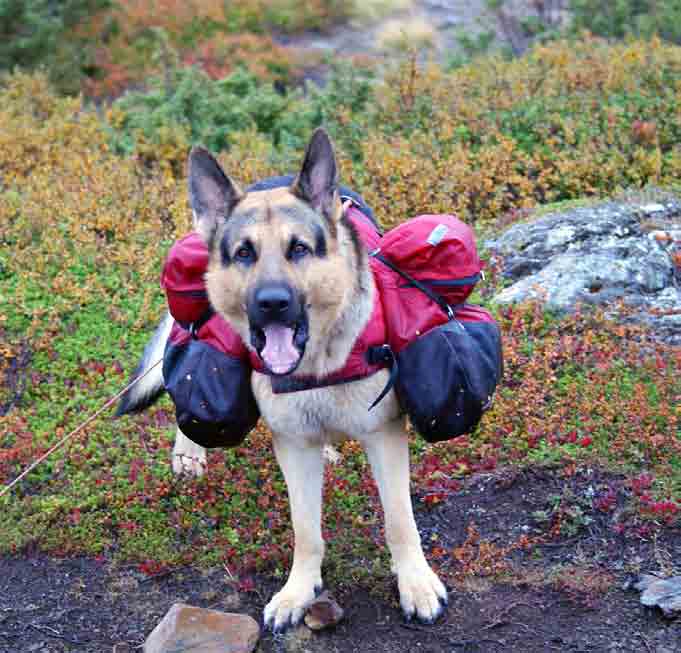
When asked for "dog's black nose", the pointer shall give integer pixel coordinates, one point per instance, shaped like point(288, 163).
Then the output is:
point(273, 300)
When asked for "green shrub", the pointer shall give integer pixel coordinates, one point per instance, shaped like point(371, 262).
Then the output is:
point(568, 120)
point(84, 232)
point(185, 107)
point(41, 32)
point(620, 18)
point(345, 106)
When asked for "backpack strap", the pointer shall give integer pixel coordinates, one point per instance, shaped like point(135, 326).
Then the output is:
point(195, 326)
point(382, 355)
point(446, 308)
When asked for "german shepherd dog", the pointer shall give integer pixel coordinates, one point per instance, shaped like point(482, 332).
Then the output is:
point(288, 272)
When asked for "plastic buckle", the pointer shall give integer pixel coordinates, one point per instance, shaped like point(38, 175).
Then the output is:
point(380, 354)
point(345, 198)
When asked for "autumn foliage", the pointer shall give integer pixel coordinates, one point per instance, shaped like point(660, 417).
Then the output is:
point(85, 227)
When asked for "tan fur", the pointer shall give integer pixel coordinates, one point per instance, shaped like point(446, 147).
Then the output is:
point(330, 284)
point(339, 291)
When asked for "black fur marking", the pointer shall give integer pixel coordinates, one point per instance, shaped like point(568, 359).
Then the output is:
point(296, 244)
point(245, 253)
point(287, 180)
point(225, 258)
point(211, 192)
point(354, 236)
point(320, 241)
point(317, 181)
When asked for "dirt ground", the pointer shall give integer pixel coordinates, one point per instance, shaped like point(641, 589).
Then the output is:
point(572, 593)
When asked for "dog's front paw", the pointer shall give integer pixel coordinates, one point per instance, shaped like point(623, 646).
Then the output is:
point(188, 457)
point(189, 465)
point(288, 606)
point(422, 594)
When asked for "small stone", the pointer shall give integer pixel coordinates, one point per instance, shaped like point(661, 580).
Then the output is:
point(665, 594)
point(644, 581)
point(653, 208)
point(323, 612)
point(295, 641)
point(188, 628)
point(232, 601)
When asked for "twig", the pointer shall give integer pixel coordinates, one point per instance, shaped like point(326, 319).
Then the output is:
point(55, 633)
point(500, 619)
point(415, 627)
point(127, 645)
point(79, 428)
point(468, 642)
point(144, 444)
point(229, 573)
point(556, 545)
point(645, 641)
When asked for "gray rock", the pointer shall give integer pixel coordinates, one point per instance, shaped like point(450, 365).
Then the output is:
point(645, 581)
point(599, 254)
point(665, 594)
point(187, 628)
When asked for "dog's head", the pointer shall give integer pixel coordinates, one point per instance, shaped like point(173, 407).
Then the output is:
point(280, 271)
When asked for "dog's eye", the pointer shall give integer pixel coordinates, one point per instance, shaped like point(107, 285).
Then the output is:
point(244, 254)
point(298, 250)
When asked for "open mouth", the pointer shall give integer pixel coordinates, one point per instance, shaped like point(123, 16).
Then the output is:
point(280, 346)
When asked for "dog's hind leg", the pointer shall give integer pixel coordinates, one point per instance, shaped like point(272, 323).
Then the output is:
point(303, 466)
point(422, 594)
point(188, 457)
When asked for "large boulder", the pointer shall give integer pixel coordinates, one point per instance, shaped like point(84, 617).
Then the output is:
point(599, 254)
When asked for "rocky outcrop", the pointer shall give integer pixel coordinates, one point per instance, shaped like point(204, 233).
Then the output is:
point(599, 254)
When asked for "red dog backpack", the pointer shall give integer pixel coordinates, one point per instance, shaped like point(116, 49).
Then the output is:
point(206, 366)
point(447, 353)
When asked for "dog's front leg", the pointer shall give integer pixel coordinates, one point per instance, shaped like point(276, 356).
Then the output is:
point(303, 468)
point(421, 591)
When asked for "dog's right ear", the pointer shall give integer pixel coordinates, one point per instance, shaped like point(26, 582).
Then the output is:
point(212, 194)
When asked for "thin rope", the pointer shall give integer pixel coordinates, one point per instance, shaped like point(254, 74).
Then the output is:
point(108, 404)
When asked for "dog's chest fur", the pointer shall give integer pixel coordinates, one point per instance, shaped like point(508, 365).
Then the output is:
point(327, 414)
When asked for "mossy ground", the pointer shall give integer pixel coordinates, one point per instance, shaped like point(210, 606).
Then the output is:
point(85, 230)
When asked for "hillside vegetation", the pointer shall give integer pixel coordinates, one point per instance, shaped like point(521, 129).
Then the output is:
point(90, 202)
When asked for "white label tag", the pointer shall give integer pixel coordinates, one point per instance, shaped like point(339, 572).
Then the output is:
point(437, 234)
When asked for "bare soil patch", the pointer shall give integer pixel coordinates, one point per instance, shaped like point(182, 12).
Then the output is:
point(570, 594)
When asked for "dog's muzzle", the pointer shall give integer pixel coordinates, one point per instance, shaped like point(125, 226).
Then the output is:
point(279, 327)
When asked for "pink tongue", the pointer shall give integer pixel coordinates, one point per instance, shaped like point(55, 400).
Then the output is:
point(279, 353)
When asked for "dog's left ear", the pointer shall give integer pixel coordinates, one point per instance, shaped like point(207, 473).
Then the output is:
point(212, 194)
point(317, 181)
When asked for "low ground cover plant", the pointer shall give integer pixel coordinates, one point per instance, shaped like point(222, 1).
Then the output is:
point(90, 204)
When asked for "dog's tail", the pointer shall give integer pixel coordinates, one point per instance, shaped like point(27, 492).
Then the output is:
point(150, 388)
